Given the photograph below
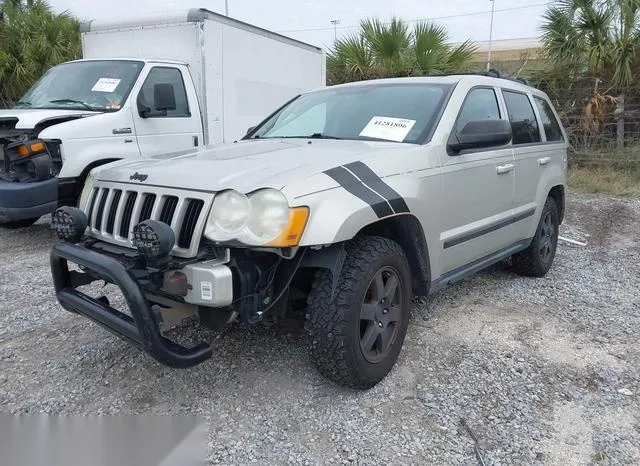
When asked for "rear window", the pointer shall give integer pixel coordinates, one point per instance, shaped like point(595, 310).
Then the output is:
point(522, 117)
point(549, 121)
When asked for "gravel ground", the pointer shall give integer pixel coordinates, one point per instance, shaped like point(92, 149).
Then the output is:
point(543, 371)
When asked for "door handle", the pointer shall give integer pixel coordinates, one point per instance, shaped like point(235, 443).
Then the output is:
point(502, 169)
point(544, 160)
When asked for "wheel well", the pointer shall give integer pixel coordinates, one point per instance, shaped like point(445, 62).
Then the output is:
point(85, 172)
point(557, 193)
point(407, 231)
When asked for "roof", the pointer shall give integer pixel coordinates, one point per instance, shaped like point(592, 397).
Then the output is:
point(479, 78)
point(193, 15)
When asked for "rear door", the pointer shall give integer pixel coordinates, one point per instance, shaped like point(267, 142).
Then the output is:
point(534, 152)
point(477, 190)
point(180, 128)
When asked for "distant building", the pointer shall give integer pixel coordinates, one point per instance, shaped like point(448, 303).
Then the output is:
point(509, 55)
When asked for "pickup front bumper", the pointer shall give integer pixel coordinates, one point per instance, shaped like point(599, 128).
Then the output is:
point(20, 201)
point(24, 200)
point(140, 330)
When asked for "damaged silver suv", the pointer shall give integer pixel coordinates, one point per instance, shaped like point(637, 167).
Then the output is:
point(335, 210)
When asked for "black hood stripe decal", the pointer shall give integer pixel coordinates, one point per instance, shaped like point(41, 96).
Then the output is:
point(369, 178)
point(352, 184)
point(358, 179)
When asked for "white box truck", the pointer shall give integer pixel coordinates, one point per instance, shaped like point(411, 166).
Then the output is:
point(150, 86)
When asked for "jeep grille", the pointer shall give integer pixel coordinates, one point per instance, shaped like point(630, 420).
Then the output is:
point(113, 211)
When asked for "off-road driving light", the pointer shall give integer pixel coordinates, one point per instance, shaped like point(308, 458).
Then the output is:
point(153, 239)
point(69, 223)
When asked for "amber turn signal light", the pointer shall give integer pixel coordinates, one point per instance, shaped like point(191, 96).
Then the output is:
point(292, 234)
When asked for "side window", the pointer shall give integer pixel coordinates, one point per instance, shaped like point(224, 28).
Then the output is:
point(172, 77)
point(480, 104)
point(549, 120)
point(522, 117)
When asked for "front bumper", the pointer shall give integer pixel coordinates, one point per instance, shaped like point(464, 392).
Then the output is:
point(19, 201)
point(142, 330)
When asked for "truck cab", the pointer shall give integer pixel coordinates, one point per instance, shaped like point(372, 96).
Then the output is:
point(146, 87)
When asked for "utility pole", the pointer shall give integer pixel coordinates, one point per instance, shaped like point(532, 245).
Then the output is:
point(335, 23)
point(226, 7)
point(493, 4)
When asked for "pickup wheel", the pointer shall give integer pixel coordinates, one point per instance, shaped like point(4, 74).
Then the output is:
point(536, 260)
point(27, 222)
point(356, 337)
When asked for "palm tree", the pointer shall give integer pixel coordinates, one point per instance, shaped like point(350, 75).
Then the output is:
point(599, 38)
point(392, 49)
point(32, 39)
point(594, 36)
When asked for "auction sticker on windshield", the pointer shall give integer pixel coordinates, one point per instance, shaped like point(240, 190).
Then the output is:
point(105, 85)
point(393, 129)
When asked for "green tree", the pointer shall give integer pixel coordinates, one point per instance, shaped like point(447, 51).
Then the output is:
point(599, 37)
point(32, 39)
point(393, 49)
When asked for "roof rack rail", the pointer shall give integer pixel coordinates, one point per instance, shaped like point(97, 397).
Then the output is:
point(493, 73)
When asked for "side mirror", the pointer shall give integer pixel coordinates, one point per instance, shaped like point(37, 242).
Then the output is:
point(480, 134)
point(251, 129)
point(164, 97)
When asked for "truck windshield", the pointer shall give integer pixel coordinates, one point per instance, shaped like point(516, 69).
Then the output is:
point(101, 85)
point(388, 112)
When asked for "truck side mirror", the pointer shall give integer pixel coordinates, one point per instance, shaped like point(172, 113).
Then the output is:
point(164, 97)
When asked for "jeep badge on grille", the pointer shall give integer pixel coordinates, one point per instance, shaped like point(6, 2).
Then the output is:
point(138, 176)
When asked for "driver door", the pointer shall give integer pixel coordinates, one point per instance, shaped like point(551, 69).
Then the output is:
point(181, 127)
point(477, 190)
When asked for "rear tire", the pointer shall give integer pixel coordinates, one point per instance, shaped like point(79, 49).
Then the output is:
point(27, 222)
point(356, 337)
point(536, 260)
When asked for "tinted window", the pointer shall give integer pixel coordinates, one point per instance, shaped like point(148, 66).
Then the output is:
point(166, 76)
point(395, 112)
point(549, 120)
point(522, 118)
point(480, 104)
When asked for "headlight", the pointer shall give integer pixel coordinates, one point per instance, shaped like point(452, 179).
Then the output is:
point(263, 218)
point(269, 215)
point(86, 190)
point(230, 212)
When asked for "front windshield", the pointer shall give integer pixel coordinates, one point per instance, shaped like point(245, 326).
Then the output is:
point(101, 85)
point(388, 112)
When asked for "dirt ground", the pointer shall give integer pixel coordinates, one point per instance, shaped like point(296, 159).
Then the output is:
point(543, 371)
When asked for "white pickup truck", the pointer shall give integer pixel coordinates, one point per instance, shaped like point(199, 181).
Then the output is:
point(145, 87)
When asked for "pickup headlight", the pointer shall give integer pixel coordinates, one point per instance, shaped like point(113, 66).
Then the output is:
point(263, 218)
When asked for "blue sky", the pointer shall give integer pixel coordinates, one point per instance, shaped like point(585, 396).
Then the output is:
point(310, 20)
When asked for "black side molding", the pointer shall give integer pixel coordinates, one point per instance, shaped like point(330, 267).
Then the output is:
point(141, 330)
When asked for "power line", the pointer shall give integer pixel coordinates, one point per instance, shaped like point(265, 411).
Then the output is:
point(475, 13)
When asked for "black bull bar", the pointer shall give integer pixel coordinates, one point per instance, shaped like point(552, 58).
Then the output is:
point(142, 330)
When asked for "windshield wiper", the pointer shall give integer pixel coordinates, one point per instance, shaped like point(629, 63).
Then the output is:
point(24, 102)
point(310, 136)
point(72, 101)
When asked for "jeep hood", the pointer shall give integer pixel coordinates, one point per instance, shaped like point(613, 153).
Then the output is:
point(28, 119)
point(246, 165)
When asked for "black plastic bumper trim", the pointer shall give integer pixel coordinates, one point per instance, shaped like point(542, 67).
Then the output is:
point(141, 330)
point(19, 201)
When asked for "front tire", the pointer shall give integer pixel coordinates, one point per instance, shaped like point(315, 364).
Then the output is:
point(536, 260)
point(27, 222)
point(356, 337)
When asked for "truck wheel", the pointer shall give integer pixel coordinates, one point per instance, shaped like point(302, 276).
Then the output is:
point(27, 222)
point(356, 337)
point(536, 260)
